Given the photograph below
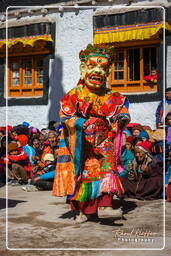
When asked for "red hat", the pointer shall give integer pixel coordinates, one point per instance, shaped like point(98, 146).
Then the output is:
point(130, 125)
point(130, 139)
point(23, 139)
point(9, 128)
point(144, 146)
point(3, 128)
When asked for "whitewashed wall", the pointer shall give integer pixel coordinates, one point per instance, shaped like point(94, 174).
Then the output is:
point(74, 30)
point(144, 113)
point(168, 66)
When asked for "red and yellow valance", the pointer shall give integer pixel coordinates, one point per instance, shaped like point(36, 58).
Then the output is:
point(129, 32)
point(30, 40)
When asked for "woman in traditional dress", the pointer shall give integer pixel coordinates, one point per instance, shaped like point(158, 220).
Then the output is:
point(145, 175)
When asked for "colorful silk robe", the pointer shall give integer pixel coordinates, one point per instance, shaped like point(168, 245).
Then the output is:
point(90, 144)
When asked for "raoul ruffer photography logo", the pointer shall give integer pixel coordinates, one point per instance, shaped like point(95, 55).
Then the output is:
point(134, 235)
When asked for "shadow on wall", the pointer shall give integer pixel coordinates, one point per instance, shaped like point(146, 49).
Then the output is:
point(56, 90)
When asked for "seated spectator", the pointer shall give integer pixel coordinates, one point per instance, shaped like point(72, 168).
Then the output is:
point(145, 137)
point(127, 156)
point(136, 140)
point(51, 125)
point(22, 141)
point(153, 77)
point(43, 137)
point(168, 127)
point(44, 179)
point(18, 164)
point(158, 135)
point(168, 119)
point(145, 177)
point(127, 132)
point(51, 147)
point(33, 132)
point(168, 178)
point(20, 129)
point(136, 130)
point(13, 134)
point(35, 143)
point(130, 143)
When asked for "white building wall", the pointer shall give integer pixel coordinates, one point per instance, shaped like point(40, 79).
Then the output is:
point(74, 30)
point(144, 113)
point(168, 66)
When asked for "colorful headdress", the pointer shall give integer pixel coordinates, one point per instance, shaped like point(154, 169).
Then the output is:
point(91, 50)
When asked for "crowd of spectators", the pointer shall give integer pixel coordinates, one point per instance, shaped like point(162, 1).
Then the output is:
point(30, 157)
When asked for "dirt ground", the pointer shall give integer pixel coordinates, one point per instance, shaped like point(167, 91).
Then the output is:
point(40, 224)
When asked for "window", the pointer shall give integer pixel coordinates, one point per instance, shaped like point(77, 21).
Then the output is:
point(25, 76)
point(133, 69)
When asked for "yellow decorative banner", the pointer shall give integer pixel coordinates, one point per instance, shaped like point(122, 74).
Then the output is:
point(30, 40)
point(128, 32)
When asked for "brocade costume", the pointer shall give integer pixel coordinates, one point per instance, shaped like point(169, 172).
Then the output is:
point(90, 146)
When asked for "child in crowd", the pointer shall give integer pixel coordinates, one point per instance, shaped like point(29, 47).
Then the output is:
point(127, 156)
point(22, 141)
point(18, 165)
point(43, 179)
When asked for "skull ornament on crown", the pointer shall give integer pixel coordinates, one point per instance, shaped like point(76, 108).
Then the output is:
point(95, 66)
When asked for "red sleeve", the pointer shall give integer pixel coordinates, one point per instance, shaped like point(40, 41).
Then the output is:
point(6, 160)
point(19, 157)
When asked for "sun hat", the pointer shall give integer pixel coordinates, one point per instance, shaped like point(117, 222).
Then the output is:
point(49, 157)
point(12, 146)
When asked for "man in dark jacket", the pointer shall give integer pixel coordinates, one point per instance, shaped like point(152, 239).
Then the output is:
point(165, 103)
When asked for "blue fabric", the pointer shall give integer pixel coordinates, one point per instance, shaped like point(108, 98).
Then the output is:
point(62, 143)
point(30, 151)
point(159, 110)
point(59, 128)
point(126, 157)
point(79, 141)
point(63, 158)
point(48, 175)
point(144, 134)
point(126, 103)
point(70, 196)
point(26, 124)
point(95, 189)
point(128, 132)
point(168, 174)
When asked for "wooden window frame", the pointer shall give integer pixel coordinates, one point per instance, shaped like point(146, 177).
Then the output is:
point(142, 85)
point(25, 90)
